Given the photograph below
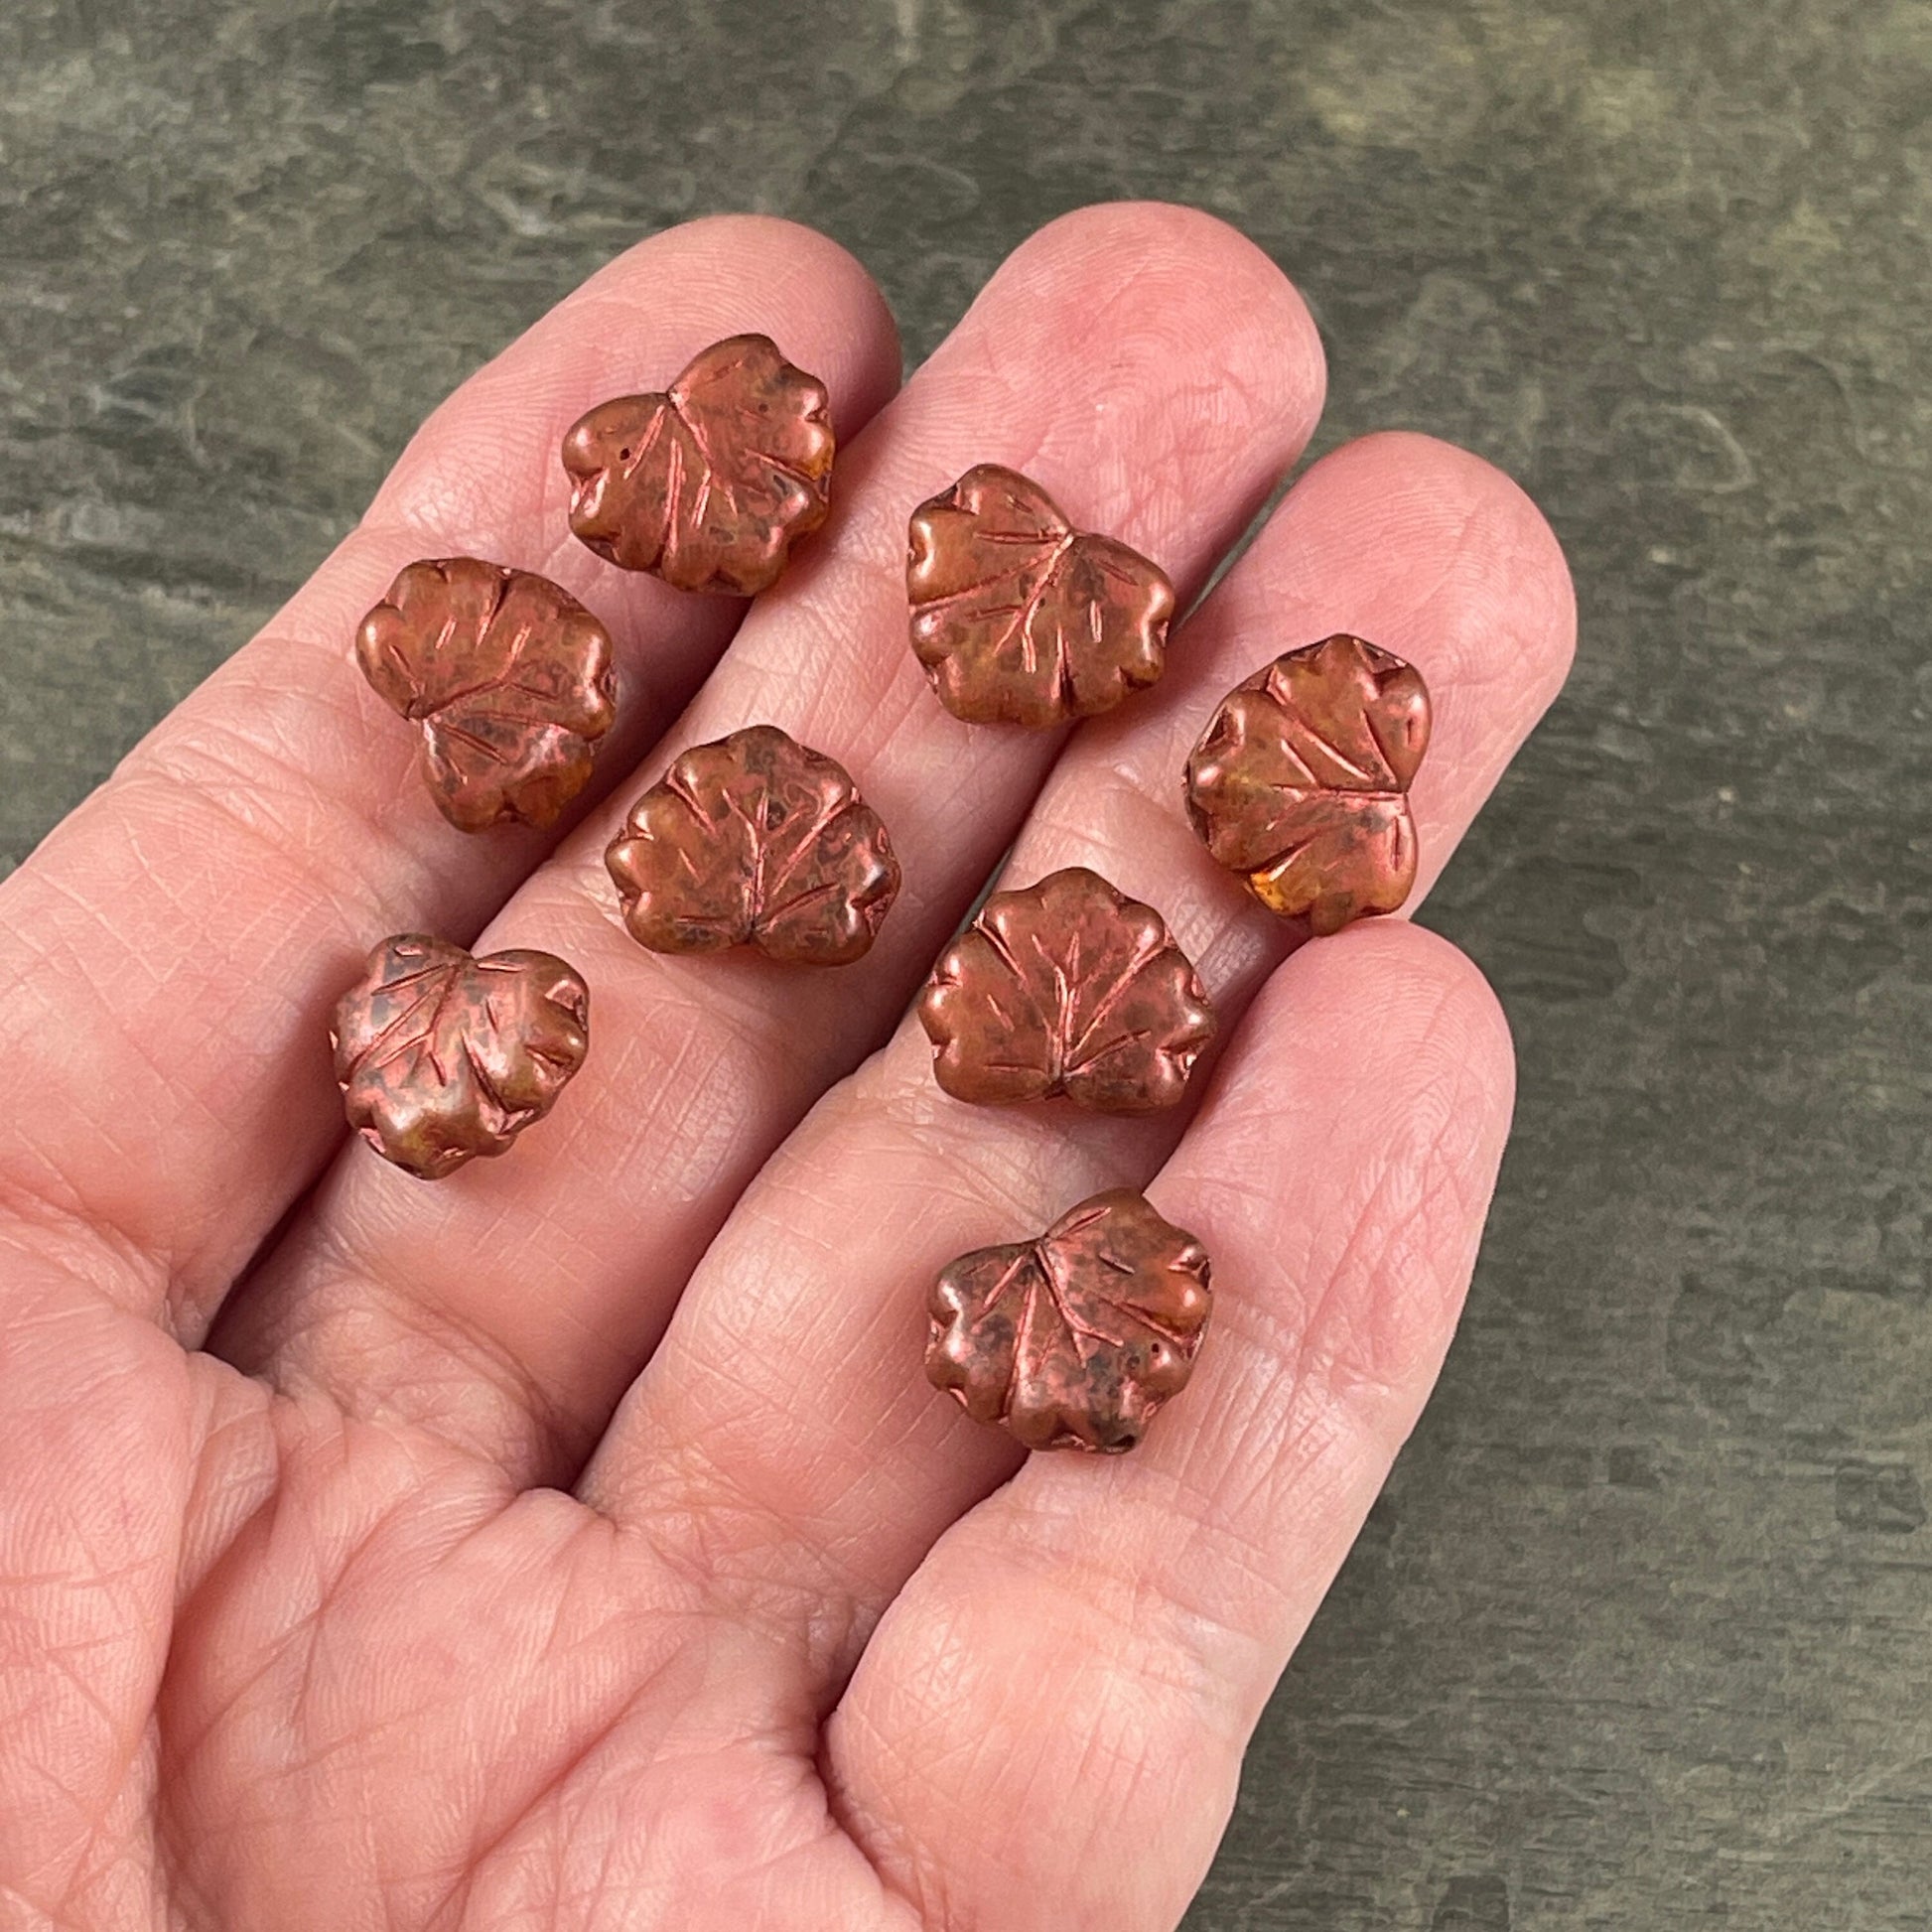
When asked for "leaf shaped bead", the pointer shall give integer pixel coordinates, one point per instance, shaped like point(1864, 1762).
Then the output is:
point(1301, 781)
point(1075, 1340)
point(1067, 987)
point(709, 483)
point(756, 841)
point(442, 1057)
point(509, 678)
point(1018, 617)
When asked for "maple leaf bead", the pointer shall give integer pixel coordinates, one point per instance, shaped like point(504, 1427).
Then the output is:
point(1301, 781)
point(1067, 987)
point(508, 679)
point(710, 482)
point(755, 841)
point(1074, 1341)
point(1019, 619)
point(443, 1058)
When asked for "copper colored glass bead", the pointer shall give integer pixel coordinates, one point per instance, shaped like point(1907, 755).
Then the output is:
point(1018, 617)
point(1067, 987)
point(709, 483)
point(442, 1057)
point(508, 679)
point(1301, 781)
point(1075, 1340)
point(756, 841)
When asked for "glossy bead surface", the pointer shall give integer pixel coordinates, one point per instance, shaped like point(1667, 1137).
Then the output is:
point(710, 482)
point(1018, 617)
point(508, 679)
point(1074, 1341)
point(1301, 781)
point(756, 841)
point(442, 1057)
point(1067, 987)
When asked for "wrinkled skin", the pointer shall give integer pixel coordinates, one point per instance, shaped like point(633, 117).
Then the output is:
point(577, 1543)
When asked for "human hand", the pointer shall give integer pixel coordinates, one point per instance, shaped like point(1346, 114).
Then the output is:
point(576, 1542)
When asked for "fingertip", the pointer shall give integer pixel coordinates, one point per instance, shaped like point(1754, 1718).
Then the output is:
point(1444, 508)
point(1183, 263)
point(804, 268)
point(485, 467)
point(739, 273)
point(1394, 964)
point(1381, 1017)
point(1194, 348)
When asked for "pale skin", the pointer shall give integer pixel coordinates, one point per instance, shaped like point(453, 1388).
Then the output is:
point(576, 1542)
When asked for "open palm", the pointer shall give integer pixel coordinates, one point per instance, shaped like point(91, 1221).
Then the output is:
point(576, 1544)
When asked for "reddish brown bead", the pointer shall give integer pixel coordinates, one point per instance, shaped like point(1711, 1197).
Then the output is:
point(1067, 987)
point(507, 675)
point(1075, 1340)
point(756, 841)
point(1300, 782)
point(709, 483)
point(1018, 617)
point(442, 1057)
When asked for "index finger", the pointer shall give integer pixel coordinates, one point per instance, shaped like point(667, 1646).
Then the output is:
point(169, 956)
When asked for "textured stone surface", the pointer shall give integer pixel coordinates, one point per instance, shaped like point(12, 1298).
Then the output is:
point(1642, 1633)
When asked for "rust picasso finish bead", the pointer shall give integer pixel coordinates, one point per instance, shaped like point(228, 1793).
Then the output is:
point(1074, 1339)
point(709, 483)
point(442, 1057)
point(507, 677)
point(756, 841)
point(1066, 987)
point(1301, 781)
point(1018, 617)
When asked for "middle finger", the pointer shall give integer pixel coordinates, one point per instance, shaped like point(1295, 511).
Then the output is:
point(1156, 373)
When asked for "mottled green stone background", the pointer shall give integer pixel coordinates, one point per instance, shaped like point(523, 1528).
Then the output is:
point(1642, 1633)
